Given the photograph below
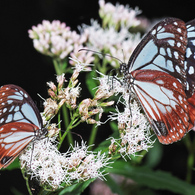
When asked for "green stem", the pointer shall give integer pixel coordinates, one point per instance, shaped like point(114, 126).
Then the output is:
point(66, 123)
point(59, 70)
point(27, 184)
point(190, 161)
point(67, 132)
point(59, 124)
point(93, 133)
point(57, 67)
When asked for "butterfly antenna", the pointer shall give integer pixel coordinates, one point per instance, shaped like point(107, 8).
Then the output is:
point(103, 54)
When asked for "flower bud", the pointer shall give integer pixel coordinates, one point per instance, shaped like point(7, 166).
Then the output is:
point(50, 108)
point(60, 80)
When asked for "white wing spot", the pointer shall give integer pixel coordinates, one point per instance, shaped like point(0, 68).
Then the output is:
point(185, 65)
point(175, 23)
point(4, 110)
point(14, 129)
point(176, 54)
point(191, 70)
point(160, 82)
point(178, 44)
point(3, 93)
point(177, 68)
point(187, 86)
point(9, 101)
point(159, 28)
point(25, 95)
point(153, 32)
point(188, 52)
point(179, 30)
point(171, 42)
point(169, 52)
point(181, 131)
point(175, 85)
point(180, 98)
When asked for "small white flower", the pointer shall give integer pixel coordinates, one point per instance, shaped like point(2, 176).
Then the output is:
point(119, 15)
point(53, 168)
point(79, 65)
point(55, 39)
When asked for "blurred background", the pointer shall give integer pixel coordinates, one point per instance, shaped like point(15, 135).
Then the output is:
point(22, 65)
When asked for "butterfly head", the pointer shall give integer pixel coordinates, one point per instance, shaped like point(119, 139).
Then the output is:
point(41, 133)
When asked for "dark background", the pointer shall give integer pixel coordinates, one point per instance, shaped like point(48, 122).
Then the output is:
point(22, 65)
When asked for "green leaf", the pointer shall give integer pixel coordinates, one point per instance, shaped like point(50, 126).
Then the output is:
point(91, 82)
point(153, 179)
point(154, 157)
point(14, 165)
point(114, 126)
point(76, 189)
point(113, 185)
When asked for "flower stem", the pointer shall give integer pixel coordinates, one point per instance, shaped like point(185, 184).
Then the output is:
point(26, 179)
point(67, 132)
point(59, 125)
point(57, 67)
point(191, 158)
point(66, 123)
point(93, 133)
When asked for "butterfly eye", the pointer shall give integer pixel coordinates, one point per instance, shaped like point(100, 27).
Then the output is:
point(156, 68)
point(20, 121)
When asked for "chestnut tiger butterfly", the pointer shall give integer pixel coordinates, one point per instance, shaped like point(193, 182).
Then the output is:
point(156, 74)
point(20, 123)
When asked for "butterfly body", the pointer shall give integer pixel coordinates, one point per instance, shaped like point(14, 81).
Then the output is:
point(156, 74)
point(20, 123)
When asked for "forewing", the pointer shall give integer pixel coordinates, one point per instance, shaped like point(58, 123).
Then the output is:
point(189, 64)
point(14, 137)
point(163, 49)
point(17, 106)
point(164, 102)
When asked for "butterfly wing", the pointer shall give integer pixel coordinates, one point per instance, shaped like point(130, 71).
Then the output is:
point(163, 49)
point(19, 121)
point(164, 102)
point(14, 137)
point(156, 64)
point(17, 106)
point(189, 66)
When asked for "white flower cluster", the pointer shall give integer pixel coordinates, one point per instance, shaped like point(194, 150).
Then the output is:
point(118, 43)
point(132, 124)
point(53, 168)
point(119, 15)
point(56, 40)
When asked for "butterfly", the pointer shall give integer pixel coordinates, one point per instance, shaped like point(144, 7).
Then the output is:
point(20, 123)
point(156, 74)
